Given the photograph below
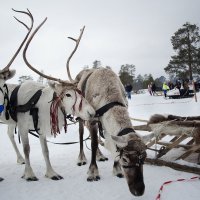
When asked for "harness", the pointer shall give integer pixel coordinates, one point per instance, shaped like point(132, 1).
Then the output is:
point(139, 157)
point(100, 112)
point(12, 107)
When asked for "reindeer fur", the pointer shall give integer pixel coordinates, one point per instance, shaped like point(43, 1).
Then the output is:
point(100, 87)
point(25, 122)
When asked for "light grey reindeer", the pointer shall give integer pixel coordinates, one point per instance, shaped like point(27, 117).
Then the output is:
point(49, 105)
point(6, 89)
point(66, 99)
point(104, 91)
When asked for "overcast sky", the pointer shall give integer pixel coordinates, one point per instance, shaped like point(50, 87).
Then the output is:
point(117, 32)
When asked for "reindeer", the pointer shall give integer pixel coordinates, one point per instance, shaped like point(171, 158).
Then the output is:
point(66, 99)
point(43, 109)
point(104, 91)
point(6, 89)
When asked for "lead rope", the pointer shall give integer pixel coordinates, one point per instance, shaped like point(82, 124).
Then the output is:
point(169, 182)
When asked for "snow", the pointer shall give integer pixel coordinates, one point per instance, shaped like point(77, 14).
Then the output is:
point(74, 185)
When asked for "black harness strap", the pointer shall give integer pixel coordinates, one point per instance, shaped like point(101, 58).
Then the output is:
point(6, 98)
point(108, 106)
point(14, 108)
point(125, 131)
point(13, 103)
point(30, 104)
point(100, 112)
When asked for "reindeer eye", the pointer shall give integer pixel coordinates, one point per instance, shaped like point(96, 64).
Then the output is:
point(68, 95)
point(125, 160)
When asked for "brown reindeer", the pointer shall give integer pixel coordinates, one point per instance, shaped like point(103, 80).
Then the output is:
point(105, 92)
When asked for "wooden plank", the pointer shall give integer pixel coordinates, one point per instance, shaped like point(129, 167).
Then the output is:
point(190, 142)
point(172, 145)
point(142, 128)
point(154, 141)
point(186, 146)
point(172, 165)
point(188, 152)
point(173, 139)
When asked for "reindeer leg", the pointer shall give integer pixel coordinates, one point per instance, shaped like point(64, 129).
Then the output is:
point(10, 133)
point(93, 172)
point(50, 173)
point(81, 158)
point(100, 156)
point(117, 171)
point(28, 172)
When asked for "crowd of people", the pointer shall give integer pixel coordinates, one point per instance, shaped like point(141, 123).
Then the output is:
point(166, 86)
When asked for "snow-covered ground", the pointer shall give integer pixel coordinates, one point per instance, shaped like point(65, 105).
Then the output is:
point(74, 185)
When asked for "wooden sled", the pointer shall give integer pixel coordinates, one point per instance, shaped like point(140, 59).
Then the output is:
point(183, 132)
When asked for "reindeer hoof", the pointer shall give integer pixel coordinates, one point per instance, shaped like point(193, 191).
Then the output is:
point(32, 179)
point(96, 178)
point(1, 179)
point(102, 159)
point(120, 175)
point(56, 178)
point(81, 163)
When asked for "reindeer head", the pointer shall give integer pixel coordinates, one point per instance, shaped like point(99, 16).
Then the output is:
point(72, 101)
point(132, 153)
point(6, 73)
point(69, 97)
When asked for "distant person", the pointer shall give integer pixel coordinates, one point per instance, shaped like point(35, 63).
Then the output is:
point(171, 85)
point(153, 88)
point(178, 85)
point(165, 88)
point(128, 89)
point(150, 88)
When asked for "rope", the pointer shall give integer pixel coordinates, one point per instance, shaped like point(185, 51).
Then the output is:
point(61, 143)
point(169, 182)
point(140, 120)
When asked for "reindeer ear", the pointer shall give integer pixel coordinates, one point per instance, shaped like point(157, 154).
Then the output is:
point(7, 74)
point(120, 141)
point(145, 138)
point(51, 84)
point(57, 87)
point(11, 74)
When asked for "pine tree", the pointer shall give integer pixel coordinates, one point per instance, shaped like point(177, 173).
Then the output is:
point(186, 43)
point(127, 74)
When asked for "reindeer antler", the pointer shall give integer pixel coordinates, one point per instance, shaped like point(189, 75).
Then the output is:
point(33, 68)
point(29, 30)
point(69, 58)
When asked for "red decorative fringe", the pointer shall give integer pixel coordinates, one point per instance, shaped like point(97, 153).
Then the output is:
point(54, 113)
point(54, 116)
